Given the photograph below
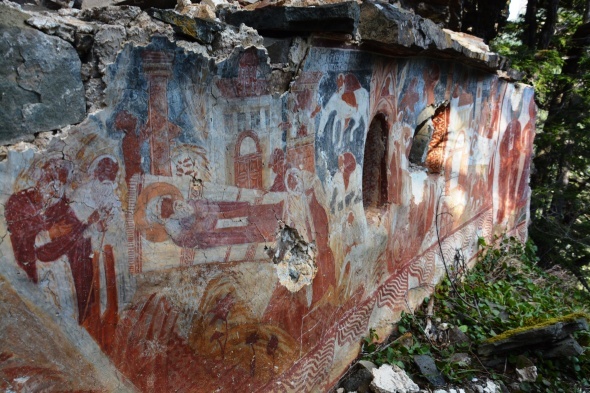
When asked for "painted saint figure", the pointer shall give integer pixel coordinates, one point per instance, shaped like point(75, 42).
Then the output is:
point(163, 213)
point(44, 228)
point(279, 166)
point(510, 151)
point(343, 120)
point(99, 195)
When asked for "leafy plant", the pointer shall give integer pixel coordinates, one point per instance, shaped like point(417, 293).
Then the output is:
point(505, 290)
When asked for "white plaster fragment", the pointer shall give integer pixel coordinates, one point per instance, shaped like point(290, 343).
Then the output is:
point(392, 379)
point(527, 374)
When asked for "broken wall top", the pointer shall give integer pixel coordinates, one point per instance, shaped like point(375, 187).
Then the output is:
point(98, 34)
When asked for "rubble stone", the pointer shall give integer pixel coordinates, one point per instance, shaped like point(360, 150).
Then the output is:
point(527, 374)
point(114, 15)
point(199, 10)
point(85, 4)
point(229, 39)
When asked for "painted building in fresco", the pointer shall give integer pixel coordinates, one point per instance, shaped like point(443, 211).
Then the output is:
point(202, 234)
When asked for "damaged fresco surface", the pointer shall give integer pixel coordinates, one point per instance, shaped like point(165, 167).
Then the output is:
point(202, 234)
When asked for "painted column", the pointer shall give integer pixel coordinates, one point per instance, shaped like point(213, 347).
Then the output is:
point(158, 66)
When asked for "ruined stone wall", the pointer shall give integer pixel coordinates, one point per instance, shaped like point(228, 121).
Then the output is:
point(224, 221)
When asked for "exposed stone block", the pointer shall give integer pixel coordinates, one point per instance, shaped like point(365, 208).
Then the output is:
point(394, 29)
point(546, 336)
point(334, 18)
point(40, 82)
point(202, 30)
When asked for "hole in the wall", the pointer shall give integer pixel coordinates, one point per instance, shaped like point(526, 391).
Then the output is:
point(375, 164)
point(429, 138)
point(294, 259)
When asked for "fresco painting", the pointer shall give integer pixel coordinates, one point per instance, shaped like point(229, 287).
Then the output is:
point(151, 230)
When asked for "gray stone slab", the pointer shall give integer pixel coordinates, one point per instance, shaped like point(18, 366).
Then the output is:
point(397, 30)
point(333, 18)
point(40, 84)
point(564, 348)
point(535, 338)
point(429, 370)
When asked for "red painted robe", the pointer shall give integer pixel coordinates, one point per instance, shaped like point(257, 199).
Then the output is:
point(510, 155)
point(26, 218)
point(199, 230)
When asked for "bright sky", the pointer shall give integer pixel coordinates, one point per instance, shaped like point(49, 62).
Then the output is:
point(517, 7)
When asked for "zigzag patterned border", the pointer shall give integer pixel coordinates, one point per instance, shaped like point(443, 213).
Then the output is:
point(310, 371)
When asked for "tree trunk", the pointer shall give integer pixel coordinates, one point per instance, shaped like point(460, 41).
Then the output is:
point(529, 35)
point(559, 203)
point(483, 18)
point(548, 29)
point(455, 14)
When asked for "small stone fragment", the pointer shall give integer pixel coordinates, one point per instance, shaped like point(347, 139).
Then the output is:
point(392, 379)
point(456, 336)
point(489, 387)
point(527, 374)
point(429, 370)
point(406, 340)
point(461, 359)
point(85, 4)
point(360, 378)
point(214, 4)
point(200, 29)
point(358, 381)
point(199, 10)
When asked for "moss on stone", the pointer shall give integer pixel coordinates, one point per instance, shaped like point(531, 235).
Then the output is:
point(509, 333)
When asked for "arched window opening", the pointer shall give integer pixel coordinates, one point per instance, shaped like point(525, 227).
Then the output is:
point(429, 138)
point(248, 161)
point(436, 148)
point(375, 163)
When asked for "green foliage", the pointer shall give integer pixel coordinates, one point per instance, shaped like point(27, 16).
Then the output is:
point(506, 290)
